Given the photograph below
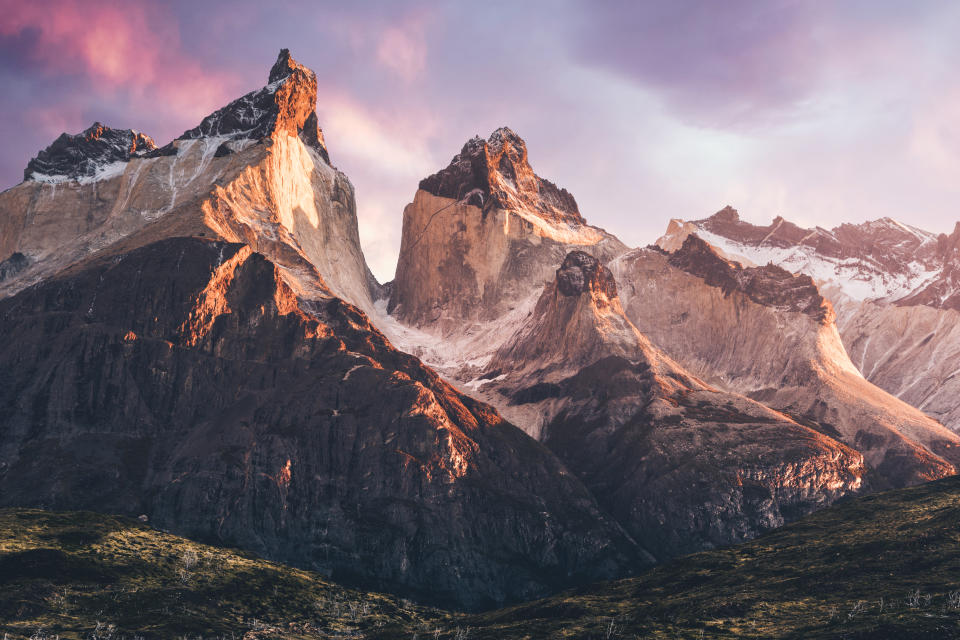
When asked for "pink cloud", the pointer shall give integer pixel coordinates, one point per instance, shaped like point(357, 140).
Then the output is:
point(52, 121)
point(132, 47)
point(403, 49)
point(934, 141)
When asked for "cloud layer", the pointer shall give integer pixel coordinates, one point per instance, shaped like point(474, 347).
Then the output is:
point(821, 112)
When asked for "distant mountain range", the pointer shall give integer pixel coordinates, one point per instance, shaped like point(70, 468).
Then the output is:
point(896, 290)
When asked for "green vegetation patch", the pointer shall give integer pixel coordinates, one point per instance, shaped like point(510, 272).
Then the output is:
point(883, 566)
point(86, 575)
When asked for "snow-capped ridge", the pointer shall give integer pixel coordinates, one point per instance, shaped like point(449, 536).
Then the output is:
point(96, 153)
point(769, 285)
point(895, 288)
point(882, 259)
point(287, 104)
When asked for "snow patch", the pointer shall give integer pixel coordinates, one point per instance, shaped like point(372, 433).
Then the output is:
point(854, 277)
point(104, 172)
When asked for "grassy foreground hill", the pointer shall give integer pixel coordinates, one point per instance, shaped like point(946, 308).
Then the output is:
point(882, 566)
point(86, 575)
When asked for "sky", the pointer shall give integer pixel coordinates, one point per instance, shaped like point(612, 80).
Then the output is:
point(822, 112)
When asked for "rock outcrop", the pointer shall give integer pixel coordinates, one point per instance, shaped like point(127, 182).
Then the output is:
point(681, 465)
point(767, 334)
point(770, 285)
point(187, 381)
point(483, 235)
point(256, 172)
point(496, 173)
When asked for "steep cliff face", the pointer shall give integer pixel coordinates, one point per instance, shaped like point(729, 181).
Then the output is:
point(767, 334)
point(895, 288)
point(483, 235)
point(256, 171)
point(681, 465)
point(188, 381)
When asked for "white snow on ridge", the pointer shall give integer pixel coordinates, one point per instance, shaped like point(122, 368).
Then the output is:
point(460, 358)
point(853, 277)
point(104, 172)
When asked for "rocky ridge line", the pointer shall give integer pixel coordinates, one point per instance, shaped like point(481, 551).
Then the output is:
point(82, 156)
point(496, 173)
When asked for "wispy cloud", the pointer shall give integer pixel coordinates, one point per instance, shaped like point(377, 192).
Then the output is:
point(129, 48)
point(403, 48)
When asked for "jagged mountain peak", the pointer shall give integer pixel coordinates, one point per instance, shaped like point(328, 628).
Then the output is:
point(87, 155)
point(507, 136)
point(284, 66)
point(581, 273)
point(577, 320)
point(949, 245)
point(484, 235)
point(727, 214)
point(496, 172)
point(255, 171)
point(287, 104)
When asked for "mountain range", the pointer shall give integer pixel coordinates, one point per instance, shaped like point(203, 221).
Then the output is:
point(894, 287)
point(194, 337)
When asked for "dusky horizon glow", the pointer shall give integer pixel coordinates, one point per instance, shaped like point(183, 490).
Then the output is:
point(822, 113)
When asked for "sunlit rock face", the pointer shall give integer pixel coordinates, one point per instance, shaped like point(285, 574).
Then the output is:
point(482, 235)
point(681, 465)
point(767, 334)
point(896, 290)
point(186, 380)
point(256, 171)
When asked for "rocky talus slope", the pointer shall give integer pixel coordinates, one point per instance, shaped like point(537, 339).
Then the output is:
point(765, 333)
point(895, 288)
point(185, 380)
point(681, 465)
